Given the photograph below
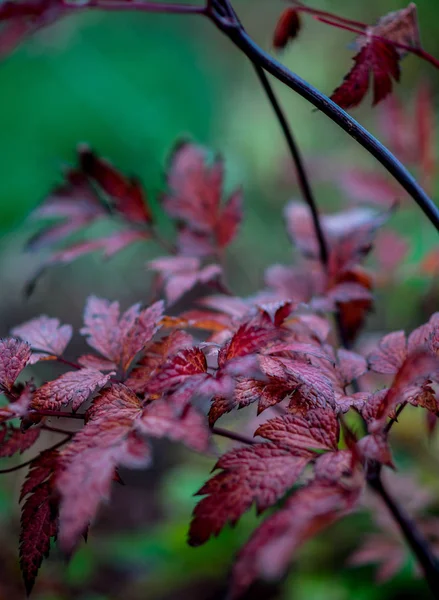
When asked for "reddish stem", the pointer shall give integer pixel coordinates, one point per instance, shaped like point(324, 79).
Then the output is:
point(232, 435)
point(69, 363)
point(57, 430)
point(419, 52)
point(29, 462)
point(323, 13)
point(56, 413)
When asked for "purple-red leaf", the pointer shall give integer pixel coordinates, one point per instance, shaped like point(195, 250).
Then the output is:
point(14, 440)
point(260, 474)
point(377, 58)
point(39, 516)
point(14, 356)
point(46, 336)
point(74, 386)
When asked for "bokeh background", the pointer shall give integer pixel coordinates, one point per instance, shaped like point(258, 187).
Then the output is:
point(131, 85)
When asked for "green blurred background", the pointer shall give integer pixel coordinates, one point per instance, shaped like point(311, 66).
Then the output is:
point(130, 86)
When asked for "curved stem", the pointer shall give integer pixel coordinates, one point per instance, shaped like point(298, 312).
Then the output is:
point(29, 462)
point(414, 538)
point(244, 42)
point(304, 184)
point(232, 435)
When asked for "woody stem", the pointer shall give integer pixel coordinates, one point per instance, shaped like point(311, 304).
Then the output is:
point(414, 538)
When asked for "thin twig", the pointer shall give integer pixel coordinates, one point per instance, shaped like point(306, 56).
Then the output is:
point(56, 413)
point(149, 7)
point(303, 180)
point(57, 430)
point(420, 52)
point(29, 462)
point(69, 363)
point(413, 536)
point(232, 435)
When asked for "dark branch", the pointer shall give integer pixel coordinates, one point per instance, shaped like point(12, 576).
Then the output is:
point(237, 34)
point(415, 539)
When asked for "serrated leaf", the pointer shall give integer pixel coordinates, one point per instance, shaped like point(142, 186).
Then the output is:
point(13, 440)
point(377, 59)
point(74, 386)
point(260, 474)
point(318, 430)
point(271, 547)
point(45, 335)
point(39, 517)
point(14, 356)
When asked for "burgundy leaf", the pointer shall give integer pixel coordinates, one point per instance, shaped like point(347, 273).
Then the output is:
point(377, 58)
point(177, 369)
point(126, 194)
point(14, 356)
point(161, 419)
point(74, 386)
point(390, 354)
point(39, 517)
point(271, 547)
point(318, 430)
point(14, 440)
point(260, 474)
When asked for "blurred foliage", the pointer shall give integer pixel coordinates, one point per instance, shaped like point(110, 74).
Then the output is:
point(130, 86)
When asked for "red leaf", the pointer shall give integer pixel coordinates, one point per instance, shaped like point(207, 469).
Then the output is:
point(332, 467)
point(188, 363)
point(272, 545)
point(361, 185)
point(376, 447)
point(194, 197)
point(229, 220)
point(126, 194)
point(14, 440)
point(75, 202)
point(39, 518)
point(110, 246)
point(414, 373)
point(14, 356)
point(247, 391)
point(117, 401)
point(350, 366)
point(318, 430)
point(74, 386)
point(314, 385)
point(251, 337)
point(378, 58)
point(390, 354)
point(45, 335)
point(180, 274)
point(195, 188)
point(89, 461)
point(154, 357)
point(261, 473)
point(287, 28)
point(119, 337)
point(161, 419)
